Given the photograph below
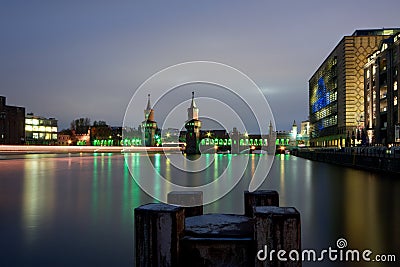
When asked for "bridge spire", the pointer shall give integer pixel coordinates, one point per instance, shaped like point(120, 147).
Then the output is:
point(149, 126)
point(148, 102)
point(193, 111)
point(148, 112)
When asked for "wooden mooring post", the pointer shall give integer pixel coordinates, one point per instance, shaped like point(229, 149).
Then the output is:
point(158, 230)
point(277, 229)
point(192, 201)
point(259, 198)
point(162, 240)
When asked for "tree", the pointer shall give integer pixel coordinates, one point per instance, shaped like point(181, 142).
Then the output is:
point(99, 123)
point(101, 131)
point(81, 125)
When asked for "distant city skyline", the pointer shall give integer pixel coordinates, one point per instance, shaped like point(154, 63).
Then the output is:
point(70, 59)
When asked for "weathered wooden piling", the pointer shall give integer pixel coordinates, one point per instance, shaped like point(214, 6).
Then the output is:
point(165, 237)
point(218, 240)
point(277, 229)
point(158, 230)
point(192, 201)
point(259, 198)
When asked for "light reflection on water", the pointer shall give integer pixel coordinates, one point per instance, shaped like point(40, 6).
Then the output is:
point(69, 210)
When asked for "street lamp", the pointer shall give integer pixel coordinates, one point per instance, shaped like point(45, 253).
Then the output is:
point(360, 126)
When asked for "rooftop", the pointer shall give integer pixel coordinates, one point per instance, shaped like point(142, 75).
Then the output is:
point(372, 32)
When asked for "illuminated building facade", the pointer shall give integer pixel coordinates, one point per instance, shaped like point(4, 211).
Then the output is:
point(149, 126)
point(381, 75)
point(303, 138)
point(336, 89)
point(64, 139)
point(40, 130)
point(193, 126)
point(12, 120)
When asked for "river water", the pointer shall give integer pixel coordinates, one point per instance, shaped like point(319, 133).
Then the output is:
point(77, 209)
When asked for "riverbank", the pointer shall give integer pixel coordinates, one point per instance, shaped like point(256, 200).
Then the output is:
point(6, 149)
point(362, 158)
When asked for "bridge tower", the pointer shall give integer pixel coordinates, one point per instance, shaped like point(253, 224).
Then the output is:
point(271, 139)
point(193, 126)
point(293, 135)
point(149, 126)
point(235, 137)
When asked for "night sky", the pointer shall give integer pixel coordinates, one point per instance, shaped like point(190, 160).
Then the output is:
point(71, 59)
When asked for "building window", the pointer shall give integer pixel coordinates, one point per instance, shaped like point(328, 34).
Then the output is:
point(334, 60)
point(383, 92)
point(384, 106)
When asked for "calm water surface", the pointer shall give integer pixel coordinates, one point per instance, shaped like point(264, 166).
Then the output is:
point(77, 210)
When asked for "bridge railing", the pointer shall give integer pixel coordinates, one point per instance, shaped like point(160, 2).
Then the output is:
point(375, 151)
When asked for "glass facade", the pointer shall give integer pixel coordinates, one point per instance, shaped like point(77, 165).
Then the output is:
point(323, 98)
point(336, 90)
point(40, 131)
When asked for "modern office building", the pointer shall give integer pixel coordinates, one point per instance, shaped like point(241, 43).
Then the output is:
point(40, 130)
point(12, 119)
point(381, 75)
point(336, 89)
